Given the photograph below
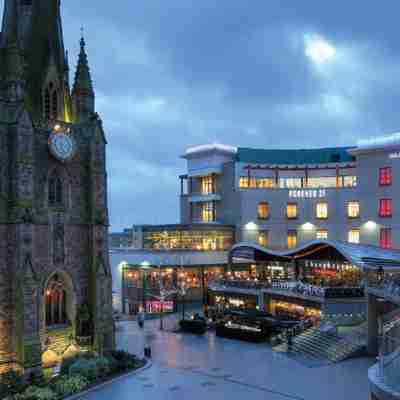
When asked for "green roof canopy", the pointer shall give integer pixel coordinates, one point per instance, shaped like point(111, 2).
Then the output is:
point(300, 156)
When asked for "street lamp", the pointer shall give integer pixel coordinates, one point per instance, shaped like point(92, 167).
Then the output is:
point(145, 267)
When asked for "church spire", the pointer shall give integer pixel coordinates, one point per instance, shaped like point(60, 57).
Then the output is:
point(37, 27)
point(83, 98)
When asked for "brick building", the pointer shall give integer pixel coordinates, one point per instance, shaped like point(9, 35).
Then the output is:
point(54, 263)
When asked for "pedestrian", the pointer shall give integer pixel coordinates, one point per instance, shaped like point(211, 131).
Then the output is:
point(140, 319)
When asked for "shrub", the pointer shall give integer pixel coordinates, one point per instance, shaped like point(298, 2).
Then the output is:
point(11, 382)
point(112, 363)
point(36, 393)
point(86, 368)
point(103, 366)
point(68, 362)
point(124, 359)
point(67, 385)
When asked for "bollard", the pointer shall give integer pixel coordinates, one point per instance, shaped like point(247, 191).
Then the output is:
point(147, 352)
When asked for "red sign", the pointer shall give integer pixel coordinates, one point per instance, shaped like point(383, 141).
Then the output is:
point(154, 306)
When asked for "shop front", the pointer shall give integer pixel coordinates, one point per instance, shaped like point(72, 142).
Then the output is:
point(226, 300)
point(299, 310)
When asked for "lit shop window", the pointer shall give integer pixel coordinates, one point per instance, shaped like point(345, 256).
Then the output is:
point(385, 238)
point(322, 210)
point(322, 234)
point(353, 209)
point(263, 210)
point(207, 185)
point(385, 208)
point(208, 212)
point(292, 239)
point(256, 183)
point(385, 176)
point(291, 210)
point(263, 238)
point(354, 236)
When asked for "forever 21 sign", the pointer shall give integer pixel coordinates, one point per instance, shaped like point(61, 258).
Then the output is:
point(307, 194)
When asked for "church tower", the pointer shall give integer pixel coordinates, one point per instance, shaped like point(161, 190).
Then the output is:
point(55, 277)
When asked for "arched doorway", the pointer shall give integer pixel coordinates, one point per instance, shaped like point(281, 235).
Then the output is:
point(58, 316)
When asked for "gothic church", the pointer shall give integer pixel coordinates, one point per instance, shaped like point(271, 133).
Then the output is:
point(55, 278)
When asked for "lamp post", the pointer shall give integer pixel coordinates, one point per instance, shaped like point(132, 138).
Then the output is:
point(145, 267)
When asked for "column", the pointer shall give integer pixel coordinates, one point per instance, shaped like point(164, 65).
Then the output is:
point(372, 312)
point(260, 301)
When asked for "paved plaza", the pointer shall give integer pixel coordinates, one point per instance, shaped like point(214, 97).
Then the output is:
point(193, 367)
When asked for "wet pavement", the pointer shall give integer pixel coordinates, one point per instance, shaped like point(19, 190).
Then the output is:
point(194, 367)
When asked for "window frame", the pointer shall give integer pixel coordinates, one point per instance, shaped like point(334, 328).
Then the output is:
point(353, 230)
point(320, 203)
point(348, 209)
point(385, 176)
point(292, 204)
point(386, 238)
point(264, 233)
point(292, 234)
point(320, 231)
point(262, 203)
point(385, 212)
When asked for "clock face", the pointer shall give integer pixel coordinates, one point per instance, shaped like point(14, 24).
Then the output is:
point(62, 146)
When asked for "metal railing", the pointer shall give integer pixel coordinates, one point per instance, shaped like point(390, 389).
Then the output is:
point(297, 287)
point(389, 359)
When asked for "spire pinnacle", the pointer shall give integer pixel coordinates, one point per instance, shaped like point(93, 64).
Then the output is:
point(82, 92)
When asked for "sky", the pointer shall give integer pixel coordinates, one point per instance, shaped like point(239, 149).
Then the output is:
point(272, 74)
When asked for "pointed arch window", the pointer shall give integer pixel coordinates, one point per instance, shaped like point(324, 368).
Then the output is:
point(50, 102)
point(55, 190)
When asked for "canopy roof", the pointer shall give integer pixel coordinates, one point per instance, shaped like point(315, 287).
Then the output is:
point(364, 256)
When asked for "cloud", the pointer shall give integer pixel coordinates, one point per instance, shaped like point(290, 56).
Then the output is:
point(177, 73)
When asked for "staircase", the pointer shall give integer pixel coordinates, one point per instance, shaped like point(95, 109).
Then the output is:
point(317, 345)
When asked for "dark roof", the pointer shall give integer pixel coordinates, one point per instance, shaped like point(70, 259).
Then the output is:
point(362, 255)
point(300, 156)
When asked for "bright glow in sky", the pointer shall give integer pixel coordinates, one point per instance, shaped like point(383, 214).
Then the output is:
point(318, 49)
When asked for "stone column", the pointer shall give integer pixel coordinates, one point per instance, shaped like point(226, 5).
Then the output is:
point(372, 312)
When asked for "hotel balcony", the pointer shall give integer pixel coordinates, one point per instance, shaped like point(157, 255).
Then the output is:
point(203, 197)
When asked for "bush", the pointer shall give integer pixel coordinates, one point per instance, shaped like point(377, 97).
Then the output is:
point(103, 366)
point(67, 385)
point(10, 383)
point(68, 362)
point(36, 393)
point(123, 359)
point(86, 368)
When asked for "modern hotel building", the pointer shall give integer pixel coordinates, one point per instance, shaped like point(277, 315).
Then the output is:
point(281, 199)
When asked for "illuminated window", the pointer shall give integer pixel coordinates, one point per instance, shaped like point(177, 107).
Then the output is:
point(292, 239)
point(353, 209)
point(263, 238)
point(243, 182)
point(385, 176)
point(290, 183)
point(263, 210)
point(354, 236)
point(208, 212)
point(349, 181)
point(265, 183)
point(291, 210)
point(385, 208)
point(322, 210)
point(385, 239)
point(322, 234)
point(207, 185)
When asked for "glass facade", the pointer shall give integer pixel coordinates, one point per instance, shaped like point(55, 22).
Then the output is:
point(190, 238)
point(208, 212)
point(319, 182)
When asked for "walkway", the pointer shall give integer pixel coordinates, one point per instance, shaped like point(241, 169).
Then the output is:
point(195, 367)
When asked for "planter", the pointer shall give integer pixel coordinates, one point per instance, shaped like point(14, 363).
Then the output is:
point(193, 326)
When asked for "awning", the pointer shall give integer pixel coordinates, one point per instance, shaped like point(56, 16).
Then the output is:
point(364, 256)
